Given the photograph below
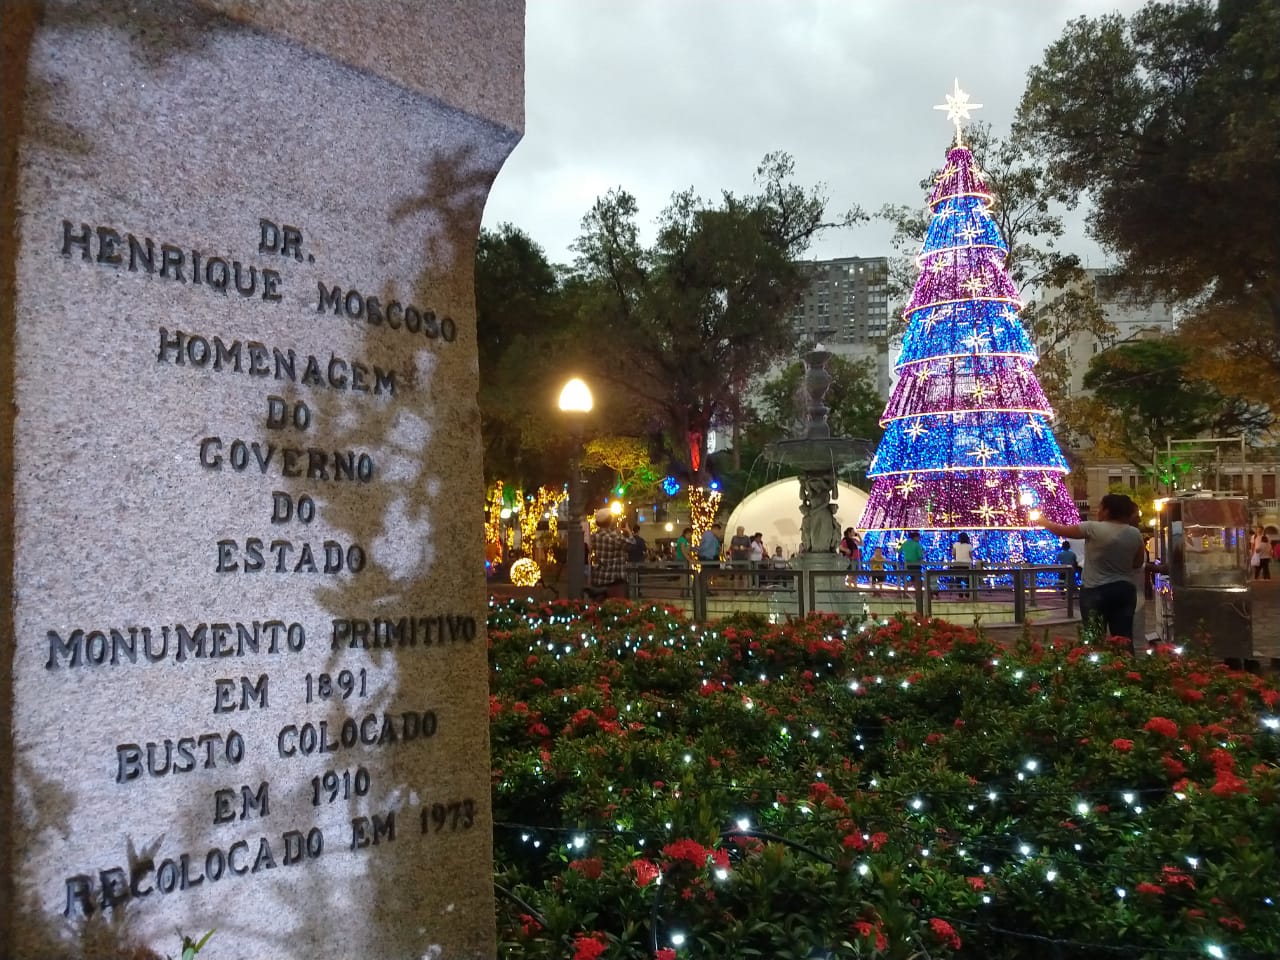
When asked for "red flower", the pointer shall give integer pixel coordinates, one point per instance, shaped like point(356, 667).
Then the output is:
point(645, 871)
point(977, 883)
point(689, 850)
point(854, 841)
point(1173, 766)
point(589, 947)
point(666, 953)
point(1176, 878)
point(1154, 889)
point(878, 840)
point(945, 932)
point(1231, 923)
point(1228, 783)
point(529, 925)
point(867, 929)
point(1222, 759)
point(1162, 725)
point(591, 867)
point(1121, 744)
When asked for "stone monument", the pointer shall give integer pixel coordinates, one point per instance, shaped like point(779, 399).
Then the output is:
point(243, 679)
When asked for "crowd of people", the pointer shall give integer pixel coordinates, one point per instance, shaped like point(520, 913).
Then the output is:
point(1112, 576)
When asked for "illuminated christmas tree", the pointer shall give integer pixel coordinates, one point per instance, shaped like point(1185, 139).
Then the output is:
point(967, 444)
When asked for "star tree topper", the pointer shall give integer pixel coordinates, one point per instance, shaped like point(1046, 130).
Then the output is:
point(958, 107)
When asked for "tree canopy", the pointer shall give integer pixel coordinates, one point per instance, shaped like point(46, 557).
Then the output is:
point(1169, 121)
point(683, 325)
point(1146, 391)
point(853, 398)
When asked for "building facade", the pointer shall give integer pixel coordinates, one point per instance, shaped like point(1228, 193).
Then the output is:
point(1133, 320)
point(846, 309)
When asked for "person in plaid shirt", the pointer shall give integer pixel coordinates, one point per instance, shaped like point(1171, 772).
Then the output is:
point(608, 557)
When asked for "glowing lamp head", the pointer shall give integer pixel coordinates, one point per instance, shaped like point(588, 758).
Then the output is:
point(575, 397)
point(616, 508)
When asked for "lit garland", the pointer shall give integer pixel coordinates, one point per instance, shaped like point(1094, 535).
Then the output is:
point(967, 444)
point(703, 506)
point(542, 506)
point(493, 515)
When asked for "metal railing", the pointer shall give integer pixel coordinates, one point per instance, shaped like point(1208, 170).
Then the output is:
point(1008, 593)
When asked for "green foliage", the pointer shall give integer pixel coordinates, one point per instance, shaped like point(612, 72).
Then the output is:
point(192, 947)
point(627, 458)
point(691, 320)
point(1169, 120)
point(889, 775)
point(1145, 391)
point(854, 399)
point(532, 337)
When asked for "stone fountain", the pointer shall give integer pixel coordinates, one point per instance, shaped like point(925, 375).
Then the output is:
point(818, 456)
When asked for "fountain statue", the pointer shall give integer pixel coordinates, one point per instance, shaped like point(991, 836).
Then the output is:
point(818, 456)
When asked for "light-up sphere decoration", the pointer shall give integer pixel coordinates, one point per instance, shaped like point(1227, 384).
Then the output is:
point(670, 486)
point(526, 573)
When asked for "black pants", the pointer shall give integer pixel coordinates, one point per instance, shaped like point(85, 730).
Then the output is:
point(1114, 602)
point(1263, 570)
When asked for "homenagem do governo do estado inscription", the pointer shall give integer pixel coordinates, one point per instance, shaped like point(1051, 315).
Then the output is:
point(106, 648)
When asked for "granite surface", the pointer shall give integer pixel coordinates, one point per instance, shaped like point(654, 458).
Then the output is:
point(247, 683)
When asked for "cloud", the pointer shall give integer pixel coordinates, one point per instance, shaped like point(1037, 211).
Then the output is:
point(659, 95)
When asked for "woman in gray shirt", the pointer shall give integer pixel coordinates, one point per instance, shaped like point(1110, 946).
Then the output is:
point(1113, 550)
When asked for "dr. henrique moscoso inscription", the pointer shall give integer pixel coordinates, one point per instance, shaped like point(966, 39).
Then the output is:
point(274, 460)
point(316, 713)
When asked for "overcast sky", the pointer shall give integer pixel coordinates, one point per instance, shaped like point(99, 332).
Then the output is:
point(659, 95)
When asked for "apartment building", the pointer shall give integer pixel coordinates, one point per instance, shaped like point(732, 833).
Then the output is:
point(846, 309)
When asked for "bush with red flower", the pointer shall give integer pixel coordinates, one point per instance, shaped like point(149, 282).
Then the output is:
point(668, 790)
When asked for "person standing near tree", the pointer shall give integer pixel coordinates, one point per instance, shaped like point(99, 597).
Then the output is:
point(962, 560)
point(684, 550)
point(911, 553)
point(710, 544)
point(608, 558)
point(1067, 557)
point(850, 549)
point(1113, 550)
point(1262, 558)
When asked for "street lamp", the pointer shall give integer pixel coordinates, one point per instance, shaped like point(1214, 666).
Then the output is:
point(575, 400)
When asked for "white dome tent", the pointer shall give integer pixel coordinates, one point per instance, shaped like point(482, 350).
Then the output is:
point(774, 510)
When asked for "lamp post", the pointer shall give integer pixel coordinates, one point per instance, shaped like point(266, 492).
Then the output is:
point(575, 400)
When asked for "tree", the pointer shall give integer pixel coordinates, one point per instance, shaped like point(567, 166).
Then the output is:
point(532, 334)
point(853, 397)
point(1169, 121)
point(1145, 391)
point(967, 446)
point(517, 302)
point(627, 458)
point(1026, 215)
point(685, 324)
